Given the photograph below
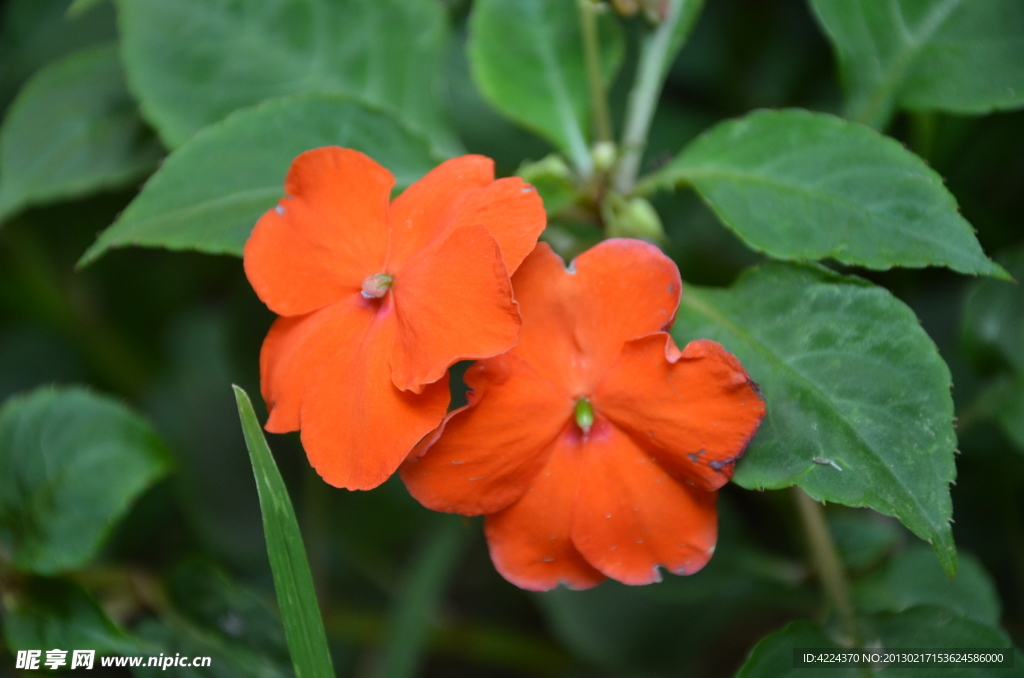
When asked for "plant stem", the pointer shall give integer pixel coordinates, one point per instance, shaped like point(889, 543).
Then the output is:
point(655, 52)
point(826, 560)
point(595, 78)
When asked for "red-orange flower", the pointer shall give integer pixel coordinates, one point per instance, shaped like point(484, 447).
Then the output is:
point(378, 300)
point(594, 446)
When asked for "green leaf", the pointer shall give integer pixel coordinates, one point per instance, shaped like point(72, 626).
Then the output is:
point(49, 613)
point(919, 627)
point(859, 405)
point(192, 62)
point(303, 626)
point(798, 185)
point(73, 130)
point(914, 578)
point(527, 59)
point(33, 34)
point(993, 319)
point(993, 336)
point(71, 463)
point(963, 56)
point(209, 193)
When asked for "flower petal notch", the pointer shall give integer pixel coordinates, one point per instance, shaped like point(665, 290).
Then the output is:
point(378, 298)
point(595, 447)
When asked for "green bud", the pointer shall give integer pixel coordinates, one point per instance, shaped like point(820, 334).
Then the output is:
point(633, 218)
point(604, 155)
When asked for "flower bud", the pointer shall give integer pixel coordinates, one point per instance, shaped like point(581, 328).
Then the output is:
point(633, 218)
point(604, 154)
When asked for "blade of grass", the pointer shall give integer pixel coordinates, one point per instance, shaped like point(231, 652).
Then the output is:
point(418, 599)
point(296, 597)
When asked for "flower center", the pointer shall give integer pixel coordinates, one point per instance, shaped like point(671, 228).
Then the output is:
point(377, 285)
point(584, 414)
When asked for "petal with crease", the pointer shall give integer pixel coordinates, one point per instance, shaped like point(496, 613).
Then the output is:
point(357, 427)
point(694, 411)
point(325, 237)
point(297, 348)
point(453, 302)
point(631, 516)
point(511, 210)
point(486, 457)
point(417, 216)
point(576, 320)
point(530, 540)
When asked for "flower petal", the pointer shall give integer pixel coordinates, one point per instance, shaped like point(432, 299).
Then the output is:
point(530, 540)
point(486, 457)
point(325, 236)
point(296, 348)
point(453, 302)
point(356, 426)
point(694, 411)
point(575, 321)
point(511, 210)
point(417, 215)
point(631, 516)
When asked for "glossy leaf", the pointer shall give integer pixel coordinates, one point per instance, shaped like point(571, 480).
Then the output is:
point(296, 597)
point(192, 62)
point(71, 463)
point(963, 56)
point(799, 185)
point(859, 406)
point(917, 628)
point(914, 578)
point(527, 59)
point(73, 130)
point(48, 613)
point(210, 192)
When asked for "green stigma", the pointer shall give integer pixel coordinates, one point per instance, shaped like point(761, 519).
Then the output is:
point(584, 414)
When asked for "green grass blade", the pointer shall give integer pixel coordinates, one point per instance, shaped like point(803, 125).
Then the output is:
point(303, 626)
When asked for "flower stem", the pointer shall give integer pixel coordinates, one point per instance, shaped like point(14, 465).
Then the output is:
point(826, 561)
point(656, 51)
point(595, 78)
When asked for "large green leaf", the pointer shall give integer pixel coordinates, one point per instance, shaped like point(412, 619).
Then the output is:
point(49, 613)
point(71, 462)
point(191, 62)
point(914, 578)
point(859, 405)
point(210, 192)
point(73, 130)
point(800, 185)
point(964, 56)
point(303, 626)
point(527, 59)
point(917, 628)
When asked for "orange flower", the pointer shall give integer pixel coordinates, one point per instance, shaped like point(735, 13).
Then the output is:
point(594, 446)
point(378, 300)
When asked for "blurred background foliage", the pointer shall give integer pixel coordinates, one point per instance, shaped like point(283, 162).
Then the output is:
point(185, 568)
